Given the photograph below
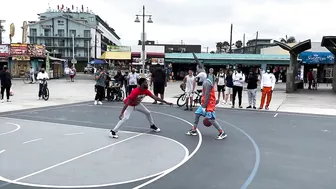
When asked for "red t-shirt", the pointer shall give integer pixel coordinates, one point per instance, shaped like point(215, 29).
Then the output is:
point(137, 95)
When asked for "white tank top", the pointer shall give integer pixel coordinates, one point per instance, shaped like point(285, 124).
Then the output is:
point(190, 82)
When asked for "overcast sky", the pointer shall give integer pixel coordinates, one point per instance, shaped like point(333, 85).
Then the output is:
point(202, 22)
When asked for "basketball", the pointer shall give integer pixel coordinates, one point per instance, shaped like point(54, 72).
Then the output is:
point(206, 122)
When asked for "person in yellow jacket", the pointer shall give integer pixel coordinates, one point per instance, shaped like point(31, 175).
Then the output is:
point(207, 109)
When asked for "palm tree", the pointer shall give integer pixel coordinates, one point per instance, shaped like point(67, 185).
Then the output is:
point(239, 44)
point(226, 46)
point(290, 39)
point(219, 46)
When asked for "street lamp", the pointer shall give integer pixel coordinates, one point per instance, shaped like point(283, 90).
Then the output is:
point(143, 42)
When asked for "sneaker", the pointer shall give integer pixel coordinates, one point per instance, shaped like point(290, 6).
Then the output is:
point(248, 107)
point(266, 108)
point(95, 103)
point(113, 134)
point(254, 107)
point(100, 103)
point(155, 128)
point(191, 132)
point(221, 136)
point(186, 109)
point(2, 101)
point(8, 100)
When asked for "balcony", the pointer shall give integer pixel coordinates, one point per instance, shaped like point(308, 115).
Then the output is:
point(67, 46)
point(60, 36)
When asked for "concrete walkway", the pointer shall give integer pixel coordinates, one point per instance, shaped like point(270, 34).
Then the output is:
point(322, 101)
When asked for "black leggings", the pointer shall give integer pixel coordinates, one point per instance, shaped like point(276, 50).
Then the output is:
point(236, 90)
point(3, 88)
point(100, 94)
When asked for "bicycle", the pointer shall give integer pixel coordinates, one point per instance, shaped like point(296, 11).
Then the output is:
point(45, 90)
point(182, 99)
point(27, 78)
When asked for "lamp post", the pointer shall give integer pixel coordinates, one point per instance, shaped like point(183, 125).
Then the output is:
point(143, 42)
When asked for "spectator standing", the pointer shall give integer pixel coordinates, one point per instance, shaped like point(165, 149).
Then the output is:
point(310, 77)
point(267, 85)
point(238, 79)
point(228, 88)
point(32, 74)
point(100, 86)
point(132, 79)
point(159, 81)
point(221, 84)
point(252, 85)
point(190, 85)
point(6, 83)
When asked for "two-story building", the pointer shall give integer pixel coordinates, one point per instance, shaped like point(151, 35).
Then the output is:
point(61, 31)
point(254, 46)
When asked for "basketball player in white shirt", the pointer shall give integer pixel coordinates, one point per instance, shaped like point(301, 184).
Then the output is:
point(190, 85)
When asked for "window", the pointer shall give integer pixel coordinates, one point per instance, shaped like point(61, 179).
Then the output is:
point(92, 19)
point(48, 42)
point(72, 32)
point(61, 42)
point(86, 43)
point(60, 33)
point(60, 22)
point(33, 40)
point(87, 33)
point(47, 32)
point(62, 52)
point(33, 32)
point(86, 52)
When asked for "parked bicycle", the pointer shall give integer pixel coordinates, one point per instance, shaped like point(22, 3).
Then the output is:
point(182, 99)
point(45, 90)
point(26, 78)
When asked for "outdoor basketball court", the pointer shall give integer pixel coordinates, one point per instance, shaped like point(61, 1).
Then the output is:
point(69, 147)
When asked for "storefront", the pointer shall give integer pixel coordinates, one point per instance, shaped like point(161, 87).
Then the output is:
point(4, 55)
point(154, 57)
point(118, 58)
point(20, 60)
point(57, 67)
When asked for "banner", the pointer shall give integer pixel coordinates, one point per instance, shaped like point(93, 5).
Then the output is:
point(158, 61)
point(36, 50)
point(113, 48)
point(4, 50)
point(18, 50)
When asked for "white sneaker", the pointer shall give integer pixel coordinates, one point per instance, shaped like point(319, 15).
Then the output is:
point(95, 103)
point(100, 103)
point(8, 100)
point(38, 98)
point(2, 101)
point(113, 134)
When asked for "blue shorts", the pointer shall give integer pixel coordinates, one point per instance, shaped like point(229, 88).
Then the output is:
point(209, 115)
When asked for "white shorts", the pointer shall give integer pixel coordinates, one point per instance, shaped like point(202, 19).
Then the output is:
point(189, 93)
point(228, 90)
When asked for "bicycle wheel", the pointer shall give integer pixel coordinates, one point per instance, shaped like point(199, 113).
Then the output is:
point(181, 101)
point(26, 80)
point(45, 95)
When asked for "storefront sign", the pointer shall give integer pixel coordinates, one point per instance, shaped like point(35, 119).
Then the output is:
point(112, 48)
point(21, 58)
point(19, 50)
point(4, 50)
point(158, 61)
point(36, 50)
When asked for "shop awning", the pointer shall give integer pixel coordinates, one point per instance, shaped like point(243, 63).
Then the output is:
point(98, 61)
point(116, 55)
point(316, 57)
point(57, 59)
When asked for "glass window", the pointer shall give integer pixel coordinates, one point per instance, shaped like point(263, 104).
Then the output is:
point(87, 33)
point(47, 32)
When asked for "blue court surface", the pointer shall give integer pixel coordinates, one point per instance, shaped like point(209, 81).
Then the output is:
point(69, 147)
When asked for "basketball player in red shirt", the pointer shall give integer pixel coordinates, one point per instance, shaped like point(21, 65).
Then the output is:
point(133, 102)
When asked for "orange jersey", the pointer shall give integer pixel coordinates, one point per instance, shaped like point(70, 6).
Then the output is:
point(212, 100)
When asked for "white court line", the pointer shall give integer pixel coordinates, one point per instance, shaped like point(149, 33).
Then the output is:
point(17, 128)
point(70, 134)
point(182, 162)
point(34, 140)
point(2, 151)
point(276, 115)
point(77, 157)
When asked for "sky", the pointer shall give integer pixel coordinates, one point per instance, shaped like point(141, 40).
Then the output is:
point(202, 22)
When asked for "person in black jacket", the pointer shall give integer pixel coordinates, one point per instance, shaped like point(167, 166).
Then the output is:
point(6, 83)
point(252, 85)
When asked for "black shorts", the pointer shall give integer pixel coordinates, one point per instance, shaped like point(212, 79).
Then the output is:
point(220, 88)
point(159, 88)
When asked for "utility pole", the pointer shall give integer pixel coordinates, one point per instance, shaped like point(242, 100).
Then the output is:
point(256, 44)
point(244, 43)
point(230, 51)
point(1, 29)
